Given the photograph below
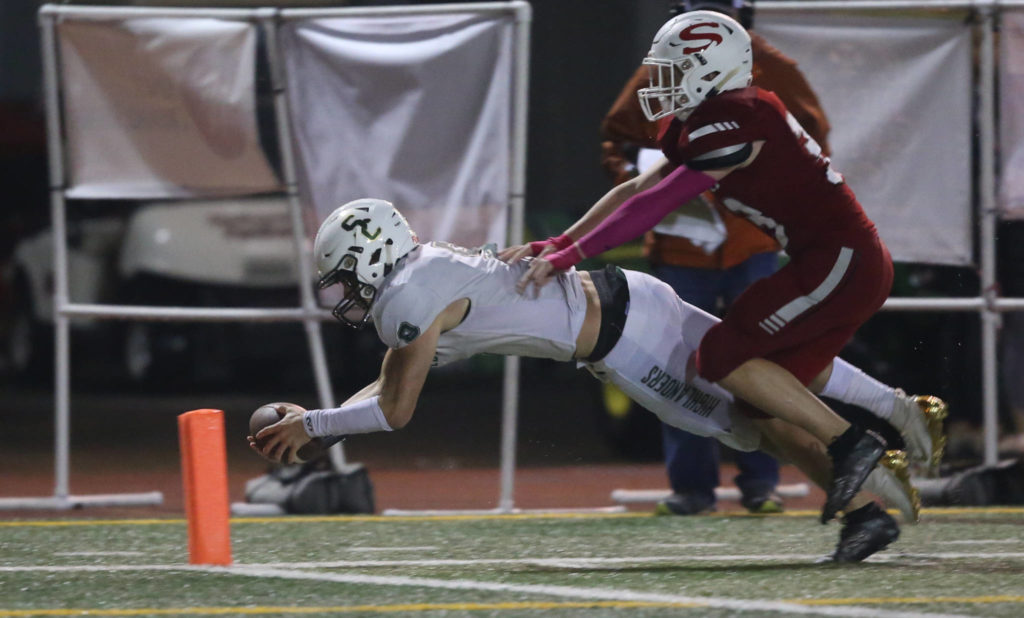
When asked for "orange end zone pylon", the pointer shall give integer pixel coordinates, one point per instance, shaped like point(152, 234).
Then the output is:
point(204, 470)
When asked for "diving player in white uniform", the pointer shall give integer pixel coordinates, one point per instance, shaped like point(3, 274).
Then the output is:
point(435, 303)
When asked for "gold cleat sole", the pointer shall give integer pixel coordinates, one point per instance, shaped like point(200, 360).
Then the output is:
point(896, 462)
point(935, 412)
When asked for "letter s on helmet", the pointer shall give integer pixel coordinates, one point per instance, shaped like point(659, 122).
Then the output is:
point(695, 56)
point(358, 245)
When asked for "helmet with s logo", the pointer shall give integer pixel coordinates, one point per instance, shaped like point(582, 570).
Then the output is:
point(357, 246)
point(694, 56)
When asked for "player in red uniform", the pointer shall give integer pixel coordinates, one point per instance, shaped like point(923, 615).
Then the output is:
point(720, 134)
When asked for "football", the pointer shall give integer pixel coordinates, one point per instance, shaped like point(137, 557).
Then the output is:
point(269, 414)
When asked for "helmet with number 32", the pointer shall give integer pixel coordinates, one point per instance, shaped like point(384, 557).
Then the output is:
point(357, 246)
point(694, 56)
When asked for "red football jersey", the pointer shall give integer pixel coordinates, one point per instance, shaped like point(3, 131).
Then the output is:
point(790, 190)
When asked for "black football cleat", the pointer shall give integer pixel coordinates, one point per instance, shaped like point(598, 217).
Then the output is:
point(865, 531)
point(854, 454)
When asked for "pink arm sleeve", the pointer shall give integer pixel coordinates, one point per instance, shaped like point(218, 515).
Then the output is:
point(636, 215)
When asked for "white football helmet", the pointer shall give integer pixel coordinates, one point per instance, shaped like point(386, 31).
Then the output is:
point(358, 245)
point(694, 56)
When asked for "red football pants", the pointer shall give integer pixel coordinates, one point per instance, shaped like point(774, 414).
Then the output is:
point(801, 316)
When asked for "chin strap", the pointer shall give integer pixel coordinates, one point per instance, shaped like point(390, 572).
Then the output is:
point(720, 84)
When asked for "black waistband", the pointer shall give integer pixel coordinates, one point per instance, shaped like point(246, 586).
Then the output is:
point(614, 295)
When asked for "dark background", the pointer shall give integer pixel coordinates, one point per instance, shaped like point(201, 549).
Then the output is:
point(581, 53)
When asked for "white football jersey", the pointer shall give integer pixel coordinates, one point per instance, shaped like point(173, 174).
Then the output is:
point(499, 319)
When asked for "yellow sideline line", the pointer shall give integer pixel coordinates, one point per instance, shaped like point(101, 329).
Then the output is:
point(966, 510)
point(89, 522)
point(991, 510)
point(424, 607)
point(292, 519)
point(404, 518)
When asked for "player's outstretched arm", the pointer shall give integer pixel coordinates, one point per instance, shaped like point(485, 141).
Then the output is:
point(385, 404)
point(630, 219)
point(605, 206)
point(617, 196)
point(403, 374)
point(632, 208)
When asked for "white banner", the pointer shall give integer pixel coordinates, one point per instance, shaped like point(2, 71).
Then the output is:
point(1011, 106)
point(412, 109)
point(897, 91)
point(161, 108)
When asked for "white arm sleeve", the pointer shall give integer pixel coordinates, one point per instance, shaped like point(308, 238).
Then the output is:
point(363, 416)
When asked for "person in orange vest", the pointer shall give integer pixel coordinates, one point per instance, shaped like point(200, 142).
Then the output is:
point(718, 257)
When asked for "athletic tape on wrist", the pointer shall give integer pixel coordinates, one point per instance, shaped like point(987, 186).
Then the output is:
point(561, 241)
point(364, 416)
point(564, 259)
point(558, 242)
point(537, 246)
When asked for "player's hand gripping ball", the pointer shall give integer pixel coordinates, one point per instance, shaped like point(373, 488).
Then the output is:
point(271, 413)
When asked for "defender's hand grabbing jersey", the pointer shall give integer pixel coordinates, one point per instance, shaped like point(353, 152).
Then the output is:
point(840, 273)
point(648, 362)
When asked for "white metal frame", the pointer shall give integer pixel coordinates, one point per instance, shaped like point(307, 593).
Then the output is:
point(309, 313)
point(516, 203)
point(988, 305)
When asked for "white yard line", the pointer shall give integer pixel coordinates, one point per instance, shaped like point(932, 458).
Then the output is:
point(684, 545)
point(569, 562)
point(585, 561)
point(98, 553)
point(576, 592)
point(959, 555)
point(413, 548)
point(295, 571)
point(977, 542)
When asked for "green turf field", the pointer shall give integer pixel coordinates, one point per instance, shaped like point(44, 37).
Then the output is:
point(957, 562)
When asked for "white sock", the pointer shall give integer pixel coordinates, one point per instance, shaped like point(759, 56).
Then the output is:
point(851, 385)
